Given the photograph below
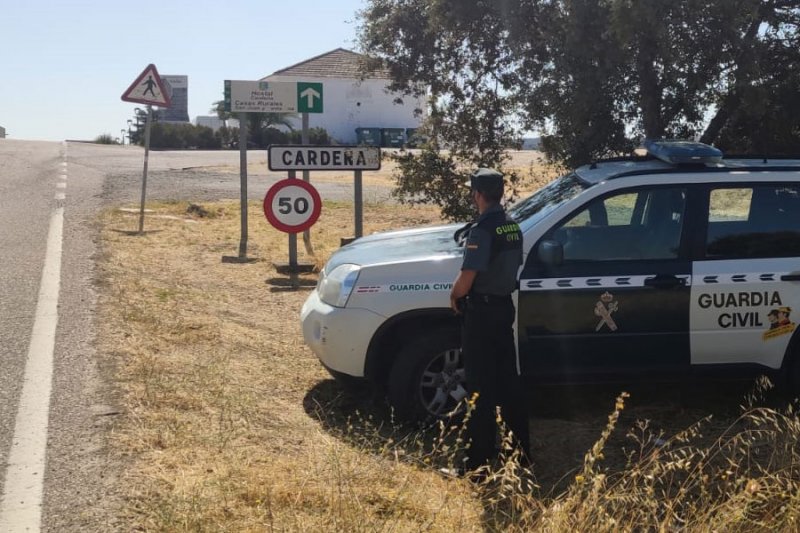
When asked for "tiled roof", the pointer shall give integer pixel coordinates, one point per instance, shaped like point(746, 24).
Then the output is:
point(339, 63)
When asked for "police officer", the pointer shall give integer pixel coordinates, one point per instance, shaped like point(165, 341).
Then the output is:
point(482, 293)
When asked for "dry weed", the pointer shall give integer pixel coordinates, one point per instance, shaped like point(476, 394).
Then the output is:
point(230, 424)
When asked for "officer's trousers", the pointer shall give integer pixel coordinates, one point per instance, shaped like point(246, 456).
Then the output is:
point(487, 340)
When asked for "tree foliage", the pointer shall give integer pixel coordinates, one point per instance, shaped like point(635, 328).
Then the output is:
point(105, 138)
point(455, 53)
point(179, 136)
point(595, 76)
point(759, 111)
point(261, 127)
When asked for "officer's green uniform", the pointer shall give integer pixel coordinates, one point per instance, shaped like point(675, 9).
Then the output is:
point(493, 249)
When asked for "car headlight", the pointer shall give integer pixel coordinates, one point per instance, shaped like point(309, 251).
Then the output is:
point(335, 288)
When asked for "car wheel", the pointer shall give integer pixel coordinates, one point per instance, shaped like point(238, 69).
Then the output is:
point(427, 379)
point(792, 381)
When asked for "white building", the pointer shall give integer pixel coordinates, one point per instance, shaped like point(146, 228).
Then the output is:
point(352, 98)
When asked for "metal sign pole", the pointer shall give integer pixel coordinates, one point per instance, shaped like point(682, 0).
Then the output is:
point(359, 205)
point(144, 172)
point(243, 183)
point(306, 178)
point(292, 239)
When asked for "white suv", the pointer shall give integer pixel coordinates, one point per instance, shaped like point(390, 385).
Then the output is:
point(659, 267)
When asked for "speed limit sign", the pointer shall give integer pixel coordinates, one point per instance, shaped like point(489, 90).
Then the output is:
point(292, 205)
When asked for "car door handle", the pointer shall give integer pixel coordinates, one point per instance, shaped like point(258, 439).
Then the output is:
point(662, 281)
point(791, 276)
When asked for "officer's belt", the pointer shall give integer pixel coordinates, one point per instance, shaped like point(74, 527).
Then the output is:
point(488, 299)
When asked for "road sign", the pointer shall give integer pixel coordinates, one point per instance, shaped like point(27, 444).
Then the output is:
point(309, 97)
point(243, 96)
point(305, 157)
point(148, 89)
point(292, 205)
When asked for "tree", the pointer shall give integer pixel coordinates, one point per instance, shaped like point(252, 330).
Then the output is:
point(757, 109)
point(182, 136)
point(454, 53)
point(317, 136)
point(595, 76)
point(258, 124)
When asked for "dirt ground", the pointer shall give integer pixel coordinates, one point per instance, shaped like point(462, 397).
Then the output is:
point(230, 423)
point(529, 163)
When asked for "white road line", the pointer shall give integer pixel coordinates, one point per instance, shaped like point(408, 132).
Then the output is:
point(62, 176)
point(61, 185)
point(61, 196)
point(21, 505)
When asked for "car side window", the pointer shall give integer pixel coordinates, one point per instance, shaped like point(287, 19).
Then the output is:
point(753, 222)
point(632, 225)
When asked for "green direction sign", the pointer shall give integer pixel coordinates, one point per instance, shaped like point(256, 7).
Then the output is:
point(272, 97)
point(309, 97)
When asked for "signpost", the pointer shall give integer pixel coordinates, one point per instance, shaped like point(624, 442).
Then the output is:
point(292, 205)
point(243, 96)
point(273, 97)
point(308, 157)
point(299, 157)
point(147, 89)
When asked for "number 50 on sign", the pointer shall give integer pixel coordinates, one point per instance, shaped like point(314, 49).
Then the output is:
point(292, 205)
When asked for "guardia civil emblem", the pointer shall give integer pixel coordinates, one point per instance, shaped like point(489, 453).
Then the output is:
point(604, 308)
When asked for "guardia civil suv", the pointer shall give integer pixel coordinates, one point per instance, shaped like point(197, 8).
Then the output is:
point(675, 263)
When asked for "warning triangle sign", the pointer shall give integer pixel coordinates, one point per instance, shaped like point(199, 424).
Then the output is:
point(148, 89)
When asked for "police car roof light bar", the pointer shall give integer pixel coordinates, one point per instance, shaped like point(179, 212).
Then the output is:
point(677, 152)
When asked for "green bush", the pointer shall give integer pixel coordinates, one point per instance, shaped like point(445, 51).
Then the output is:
point(272, 136)
point(316, 136)
point(165, 135)
point(105, 138)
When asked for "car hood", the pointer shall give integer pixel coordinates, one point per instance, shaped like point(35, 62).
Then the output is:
point(395, 246)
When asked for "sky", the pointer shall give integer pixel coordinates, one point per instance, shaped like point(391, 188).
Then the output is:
point(66, 63)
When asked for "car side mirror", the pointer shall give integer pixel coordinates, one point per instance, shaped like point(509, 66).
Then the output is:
point(550, 252)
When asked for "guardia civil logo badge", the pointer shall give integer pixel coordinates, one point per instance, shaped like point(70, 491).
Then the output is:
point(604, 308)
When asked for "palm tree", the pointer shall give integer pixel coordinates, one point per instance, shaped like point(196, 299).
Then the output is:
point(256, 122)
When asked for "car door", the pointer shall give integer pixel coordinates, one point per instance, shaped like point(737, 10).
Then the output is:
point(618, 303)
point(747, 276)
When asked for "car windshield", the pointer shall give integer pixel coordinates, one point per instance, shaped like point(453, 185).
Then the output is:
point(531, 210)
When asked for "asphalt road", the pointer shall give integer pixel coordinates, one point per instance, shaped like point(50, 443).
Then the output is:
point(80, 477)
point(27, 185)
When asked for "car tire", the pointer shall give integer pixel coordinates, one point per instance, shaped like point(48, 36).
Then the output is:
point(427, 380)
point(792, 378)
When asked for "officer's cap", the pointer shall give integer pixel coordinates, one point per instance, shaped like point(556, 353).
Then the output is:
point(486, 179)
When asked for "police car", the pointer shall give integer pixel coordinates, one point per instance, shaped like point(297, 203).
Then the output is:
point(660, 266)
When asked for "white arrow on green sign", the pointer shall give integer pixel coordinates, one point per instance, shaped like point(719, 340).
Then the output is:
point(242, 96)
point(309, 97)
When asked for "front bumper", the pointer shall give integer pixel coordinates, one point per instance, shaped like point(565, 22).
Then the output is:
point(339, 337)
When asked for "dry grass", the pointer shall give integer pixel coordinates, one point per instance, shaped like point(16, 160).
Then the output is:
point(219, 390)
point(230, 424)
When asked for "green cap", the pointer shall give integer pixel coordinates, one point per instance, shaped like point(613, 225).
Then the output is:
point(486, 179)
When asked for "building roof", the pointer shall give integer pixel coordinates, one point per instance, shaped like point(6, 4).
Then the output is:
point(338, 63)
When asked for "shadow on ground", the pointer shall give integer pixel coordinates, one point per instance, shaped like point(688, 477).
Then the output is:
point(291, 282)
point(565, 422)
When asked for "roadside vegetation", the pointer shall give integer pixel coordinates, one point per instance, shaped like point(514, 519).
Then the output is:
point(105, 138)
point(593, 77)
point(230, 424)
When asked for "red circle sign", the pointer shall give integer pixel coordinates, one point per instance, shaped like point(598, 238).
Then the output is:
point(292, 205)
